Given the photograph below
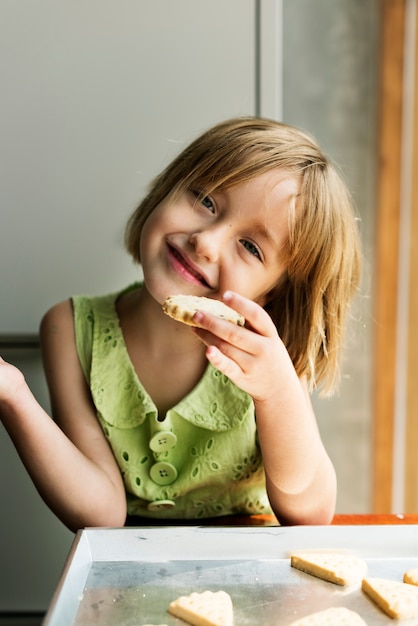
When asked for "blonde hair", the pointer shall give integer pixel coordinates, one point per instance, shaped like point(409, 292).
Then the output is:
point(310, 302)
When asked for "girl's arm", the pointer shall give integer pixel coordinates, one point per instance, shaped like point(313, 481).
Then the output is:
point(69, 460)
point(300, 477)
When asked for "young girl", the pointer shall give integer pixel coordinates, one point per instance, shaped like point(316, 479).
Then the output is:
point(155, 419)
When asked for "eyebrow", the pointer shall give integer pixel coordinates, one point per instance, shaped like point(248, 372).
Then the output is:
point(261, 229)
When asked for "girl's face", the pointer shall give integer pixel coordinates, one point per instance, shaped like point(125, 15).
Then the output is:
point(234, 239)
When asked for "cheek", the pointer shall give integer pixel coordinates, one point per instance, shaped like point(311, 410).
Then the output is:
point(148, 235)
point(145, 237)
point(251, 287)
point(163, 221)
point(267, 288)
point(154, 223)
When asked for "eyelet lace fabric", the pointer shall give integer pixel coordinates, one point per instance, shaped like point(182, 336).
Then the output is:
point(207, 461)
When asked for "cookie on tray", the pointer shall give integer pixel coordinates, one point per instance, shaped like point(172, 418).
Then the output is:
point(334, 616)
point(397, 599)
point(341, 569)
point(204, 609)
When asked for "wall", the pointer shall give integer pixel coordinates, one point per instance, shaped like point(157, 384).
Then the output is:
point(97, 96)
point(330, 80)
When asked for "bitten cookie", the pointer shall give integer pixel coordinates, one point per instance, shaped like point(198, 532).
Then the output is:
point(182, 308)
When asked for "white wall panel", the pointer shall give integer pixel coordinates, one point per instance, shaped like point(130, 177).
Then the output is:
point(97, 96)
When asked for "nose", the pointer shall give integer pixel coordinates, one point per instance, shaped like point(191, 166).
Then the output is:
point(207, 244)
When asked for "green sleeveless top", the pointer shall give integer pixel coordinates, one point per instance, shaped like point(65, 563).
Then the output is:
point(201, 459)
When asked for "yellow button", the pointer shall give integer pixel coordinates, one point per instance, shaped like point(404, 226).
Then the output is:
point(163, 441)
point(163, 473)
point(161, 505)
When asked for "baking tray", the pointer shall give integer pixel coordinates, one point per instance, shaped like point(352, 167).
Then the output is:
point(128, 576)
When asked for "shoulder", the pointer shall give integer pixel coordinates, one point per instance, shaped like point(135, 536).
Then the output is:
point(58, 344)
point(60, 339)
point(66, 333)
point(56, 331)
point(92, 305)
point(67, 315)
point(58, 317)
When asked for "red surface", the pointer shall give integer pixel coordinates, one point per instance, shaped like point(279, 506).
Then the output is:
point(341, 520)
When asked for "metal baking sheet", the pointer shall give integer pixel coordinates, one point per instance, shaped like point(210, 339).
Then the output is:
point(128, 576)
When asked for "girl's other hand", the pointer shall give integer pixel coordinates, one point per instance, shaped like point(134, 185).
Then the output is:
point(11, 381)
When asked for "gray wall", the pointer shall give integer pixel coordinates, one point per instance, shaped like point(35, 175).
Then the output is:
point(330, 71)
point(97, 96)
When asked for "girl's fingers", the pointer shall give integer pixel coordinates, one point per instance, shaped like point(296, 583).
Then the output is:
point(214, 331)
point(256, 317)
point(223, 363)
point(226, 336)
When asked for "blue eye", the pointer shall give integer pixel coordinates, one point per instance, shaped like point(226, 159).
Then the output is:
point(207, 203)
point(251, 247)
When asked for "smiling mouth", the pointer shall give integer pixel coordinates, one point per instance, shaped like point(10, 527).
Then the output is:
point(186, 268)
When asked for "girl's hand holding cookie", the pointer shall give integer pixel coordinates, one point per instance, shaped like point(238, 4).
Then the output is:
point(251, 356)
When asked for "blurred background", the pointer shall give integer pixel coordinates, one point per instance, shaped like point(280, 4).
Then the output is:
point(98, 96)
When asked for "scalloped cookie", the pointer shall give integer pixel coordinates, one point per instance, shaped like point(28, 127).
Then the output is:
point(182, 308)
point(397, 599)
point(411, 577)
point(341, 569)
point(204, 609)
